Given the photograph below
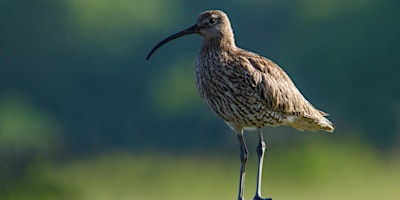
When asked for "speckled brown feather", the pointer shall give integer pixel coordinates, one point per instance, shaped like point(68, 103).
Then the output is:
point(248, 90)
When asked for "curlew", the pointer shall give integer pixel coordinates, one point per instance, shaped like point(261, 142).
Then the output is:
point(245, 89)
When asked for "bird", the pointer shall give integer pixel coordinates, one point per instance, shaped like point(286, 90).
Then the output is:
point(245, 89)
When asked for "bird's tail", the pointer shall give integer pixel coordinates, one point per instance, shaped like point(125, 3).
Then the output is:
point(310, 123)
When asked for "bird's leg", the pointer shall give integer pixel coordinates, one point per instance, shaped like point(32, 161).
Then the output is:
point(260, 152)
point(243, 160)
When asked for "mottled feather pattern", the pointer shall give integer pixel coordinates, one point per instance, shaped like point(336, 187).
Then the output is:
point(248, 90)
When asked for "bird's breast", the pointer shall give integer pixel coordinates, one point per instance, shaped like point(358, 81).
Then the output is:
point(229, 95)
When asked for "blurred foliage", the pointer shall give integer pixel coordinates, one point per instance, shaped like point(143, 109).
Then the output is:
point(314, 10)
point(174, 90)
point(112, 25)
point(23, 128)
point(319, 170)
point(26, 134)
point(74, 81)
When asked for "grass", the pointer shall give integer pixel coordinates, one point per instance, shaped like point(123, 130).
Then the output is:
point(309, 172)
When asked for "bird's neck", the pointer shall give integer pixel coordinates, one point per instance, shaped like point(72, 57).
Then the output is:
point(219, 43)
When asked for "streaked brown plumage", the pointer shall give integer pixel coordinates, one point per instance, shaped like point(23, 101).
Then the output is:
point(245, 89)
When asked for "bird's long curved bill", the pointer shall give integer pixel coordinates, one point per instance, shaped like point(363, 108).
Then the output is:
point(191, 30)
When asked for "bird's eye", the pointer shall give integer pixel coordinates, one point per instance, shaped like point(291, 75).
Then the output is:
point(211, 21)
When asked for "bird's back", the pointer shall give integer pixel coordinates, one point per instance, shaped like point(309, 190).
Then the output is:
point(250, 91)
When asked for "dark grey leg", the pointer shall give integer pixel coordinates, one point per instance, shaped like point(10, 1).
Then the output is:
point(243, 160)
point(260, 152)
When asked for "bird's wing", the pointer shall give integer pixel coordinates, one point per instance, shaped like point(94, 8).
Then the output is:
point(275, 87)
point(279, 94)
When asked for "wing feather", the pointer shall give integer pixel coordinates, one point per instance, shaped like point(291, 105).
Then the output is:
point(280, 94)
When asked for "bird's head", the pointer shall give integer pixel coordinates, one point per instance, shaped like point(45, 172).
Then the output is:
point(212, 25)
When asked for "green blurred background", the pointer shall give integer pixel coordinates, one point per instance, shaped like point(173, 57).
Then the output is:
point(84, 116)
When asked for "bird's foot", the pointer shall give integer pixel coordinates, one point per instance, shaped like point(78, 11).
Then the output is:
point(259, 198)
